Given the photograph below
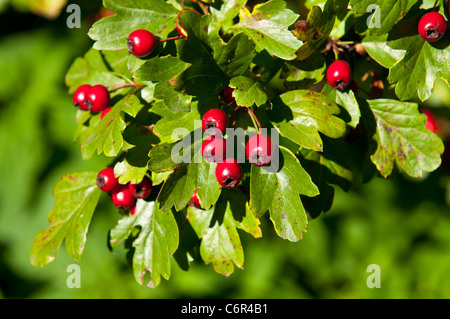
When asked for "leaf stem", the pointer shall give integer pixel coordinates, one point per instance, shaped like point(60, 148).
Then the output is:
point(171, 38)
point(229, 104)
point(123, 77)
point(336, 53)
point(254, 119)
point(235, 111)
point(346, 42)
point(204, 7)
point(115, 87)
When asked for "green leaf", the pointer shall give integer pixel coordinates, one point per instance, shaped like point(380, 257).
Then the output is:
point(203, 76)
point(267, 27)
point(158, 178)
point(228, 11)
point(401, 138)
point(301, 74)
point(111, 33)
point(347, 100)
point(386, 12)
point(279, 192)
point(165, 128)
point(203, 177)
point(248, 91)
point(175, 192)
point(160, 158)
point(93, 69)
point(154, 245)
point(377, 48)
point(128, 173)
point(316, 30)
point(266, 66)
point(333, 165)
point(174, 100)
point(76, 198)
point(236, 56)
point(300, 115)
point(191, 173)
point(212, 60)
point(185, 180)
point(424, 62)
point(117, 61)
point(326, 168)
point(159, 69)
point(217, 227)
point(107, 133)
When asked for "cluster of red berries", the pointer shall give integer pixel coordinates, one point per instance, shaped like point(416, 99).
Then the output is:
point(94, 98)
point(123, 196)
point(214, 148)
point(228, 171)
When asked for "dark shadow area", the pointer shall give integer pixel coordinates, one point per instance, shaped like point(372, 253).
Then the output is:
point(189, 241)
point(411, 192)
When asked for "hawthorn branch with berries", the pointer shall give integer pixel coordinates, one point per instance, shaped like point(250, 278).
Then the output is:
point(152, 98)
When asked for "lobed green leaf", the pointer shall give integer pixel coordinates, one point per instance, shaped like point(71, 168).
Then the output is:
point(300, 115)
point(111, 33)
point(402, 138)
point(76, 198)
point(279, 190)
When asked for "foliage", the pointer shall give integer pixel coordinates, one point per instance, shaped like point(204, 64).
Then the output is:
point(274, 64)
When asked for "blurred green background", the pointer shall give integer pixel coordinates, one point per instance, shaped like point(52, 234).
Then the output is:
point(401, 225)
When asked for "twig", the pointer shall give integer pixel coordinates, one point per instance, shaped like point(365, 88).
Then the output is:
point(435, 4)
point(172, 38)
point(229, 104)
point(235, 112)
point(115, 87)
point(204, 7)
point(254, 119)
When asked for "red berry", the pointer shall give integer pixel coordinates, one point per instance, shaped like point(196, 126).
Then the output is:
point(141, 43)
point(106, 180)
point(259, 150)
point(79, 97)
point(194, 202)
point(123, 198)
point(227, 95)
point(142, 189)
point(339, 74)
point(97, 98)
point(104, 112)
point(432, 26)
point(431, 123)
point(228, 173)
point(214, 149)
point(213, 121)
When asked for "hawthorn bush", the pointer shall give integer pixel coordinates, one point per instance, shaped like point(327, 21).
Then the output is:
point(331, 99)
